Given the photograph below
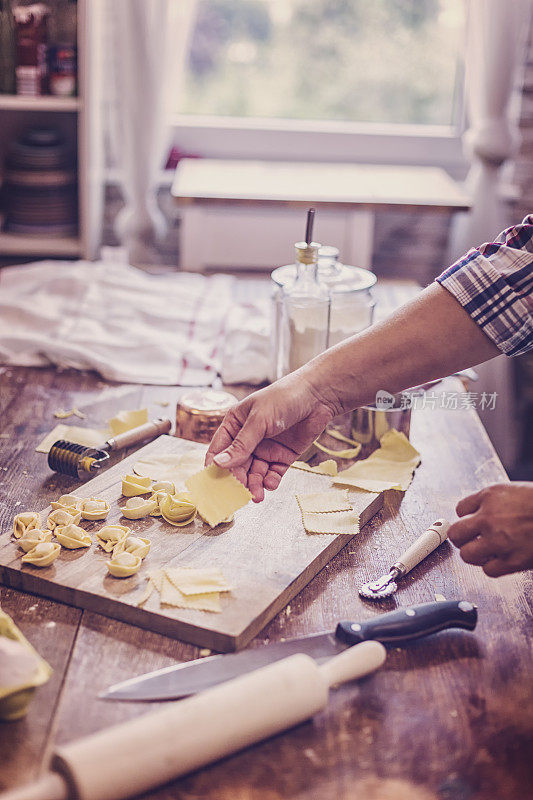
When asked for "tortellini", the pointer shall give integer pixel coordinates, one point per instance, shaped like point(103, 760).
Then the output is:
point(60, 517)
point(133, 485)
point(22, 670)
point(33, 537)
point(26, 521)
point(124, 564)
point(72, 537)
point(110, 535)
point(164, 486)
point(67, 502)
point(92, 508)
point(156, 498)
point(177, 509)
point(133, 544)
point(137, 508)
point(42, 555)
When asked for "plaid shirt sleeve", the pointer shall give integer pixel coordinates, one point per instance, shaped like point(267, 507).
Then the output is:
point(494, 284)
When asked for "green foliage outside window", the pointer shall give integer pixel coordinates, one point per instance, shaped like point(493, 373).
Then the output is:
point(383, 61)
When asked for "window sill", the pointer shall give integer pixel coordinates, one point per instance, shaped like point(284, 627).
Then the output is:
point(313, 140)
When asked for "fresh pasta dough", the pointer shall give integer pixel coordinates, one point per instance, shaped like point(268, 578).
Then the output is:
point(134, 485)
point(123, 565)
point(188, 588)
point(61, 517)
point(26, 521)
point(110, 535)
point(67, 502)
point(335, 434)
point(335, 522)
point(72, 537)
point(173, 468)
point(127, 420)
point(137, 508)
point(171, 596)
point(323, 502)
point(328, 467)
point(350, 452)
point(33, 537)
point(42, 555)
point(177, 510)
point(192, 581)
point(136, 545)
point(391, 466)
point(217, 494)
point(94, 508)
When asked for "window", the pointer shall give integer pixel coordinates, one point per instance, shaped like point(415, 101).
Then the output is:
point(348, 67)
point(387, 61)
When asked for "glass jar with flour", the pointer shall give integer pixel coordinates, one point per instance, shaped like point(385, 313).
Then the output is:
point(351, 302)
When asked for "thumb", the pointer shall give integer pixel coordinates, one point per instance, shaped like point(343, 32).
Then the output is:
point(242, 447)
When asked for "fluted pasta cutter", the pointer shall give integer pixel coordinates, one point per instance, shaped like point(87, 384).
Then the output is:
point(417, 552)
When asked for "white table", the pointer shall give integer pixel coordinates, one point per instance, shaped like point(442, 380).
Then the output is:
point(248, 213)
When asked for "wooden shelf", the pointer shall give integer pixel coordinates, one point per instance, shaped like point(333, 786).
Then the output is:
point(13, 102)
point(19, 244)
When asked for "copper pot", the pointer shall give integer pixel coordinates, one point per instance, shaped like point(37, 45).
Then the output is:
point(199, 413)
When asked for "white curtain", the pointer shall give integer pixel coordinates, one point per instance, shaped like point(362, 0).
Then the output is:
point(492, 52)
point(147, 44)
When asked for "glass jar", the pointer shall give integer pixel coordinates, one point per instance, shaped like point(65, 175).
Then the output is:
point(352, 303)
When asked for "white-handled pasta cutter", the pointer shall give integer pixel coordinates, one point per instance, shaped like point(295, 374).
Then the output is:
point(417, 552)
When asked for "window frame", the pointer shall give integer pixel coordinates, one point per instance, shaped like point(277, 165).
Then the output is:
point(327, 141)
point(277, 139)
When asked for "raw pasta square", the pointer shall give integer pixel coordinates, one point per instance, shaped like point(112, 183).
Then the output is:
point(170, 596)
point(391, 466)
point(336, 522)
point(322, 502)
point(217, 494)
point(192, 582)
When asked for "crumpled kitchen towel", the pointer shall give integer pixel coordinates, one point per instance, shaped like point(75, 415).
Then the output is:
point(116, 319)
point(247, 346)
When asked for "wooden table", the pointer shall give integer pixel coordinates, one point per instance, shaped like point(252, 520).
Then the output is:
point(447, 718)
point(247, 213)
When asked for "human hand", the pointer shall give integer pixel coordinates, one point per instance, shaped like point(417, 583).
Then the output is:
point(496, 528)
point(262, 435)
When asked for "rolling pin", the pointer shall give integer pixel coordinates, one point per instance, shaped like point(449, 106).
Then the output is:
point(135, 756)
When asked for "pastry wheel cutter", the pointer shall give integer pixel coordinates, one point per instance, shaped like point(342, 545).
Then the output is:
point(80, 462)
point(424, 545)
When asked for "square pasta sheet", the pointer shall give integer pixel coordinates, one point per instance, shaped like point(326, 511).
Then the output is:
point(333, 500)
point(391, 466)
point(217, 494)
point(334, 522)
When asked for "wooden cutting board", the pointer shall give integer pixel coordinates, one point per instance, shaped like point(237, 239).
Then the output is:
point(265, 554)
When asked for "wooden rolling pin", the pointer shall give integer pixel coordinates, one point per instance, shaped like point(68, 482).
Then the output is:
point(135, 756)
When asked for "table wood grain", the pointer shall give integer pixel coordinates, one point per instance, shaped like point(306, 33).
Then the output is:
point(448, 718)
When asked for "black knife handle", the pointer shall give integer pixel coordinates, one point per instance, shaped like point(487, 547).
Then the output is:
point(411, 622)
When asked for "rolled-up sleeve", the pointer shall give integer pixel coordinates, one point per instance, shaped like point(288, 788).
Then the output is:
point(494, 284)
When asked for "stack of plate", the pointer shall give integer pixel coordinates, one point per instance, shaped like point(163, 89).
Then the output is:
point(41, 185)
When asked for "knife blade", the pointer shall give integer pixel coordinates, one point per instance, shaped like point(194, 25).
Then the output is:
point(394, 627)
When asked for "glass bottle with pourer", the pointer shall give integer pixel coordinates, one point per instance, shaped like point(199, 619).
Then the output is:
point(305, 307)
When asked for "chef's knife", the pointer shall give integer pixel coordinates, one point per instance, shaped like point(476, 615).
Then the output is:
point(402, 625)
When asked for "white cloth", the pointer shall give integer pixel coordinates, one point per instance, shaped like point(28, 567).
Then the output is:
point(115, 319)
point(246, 357)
